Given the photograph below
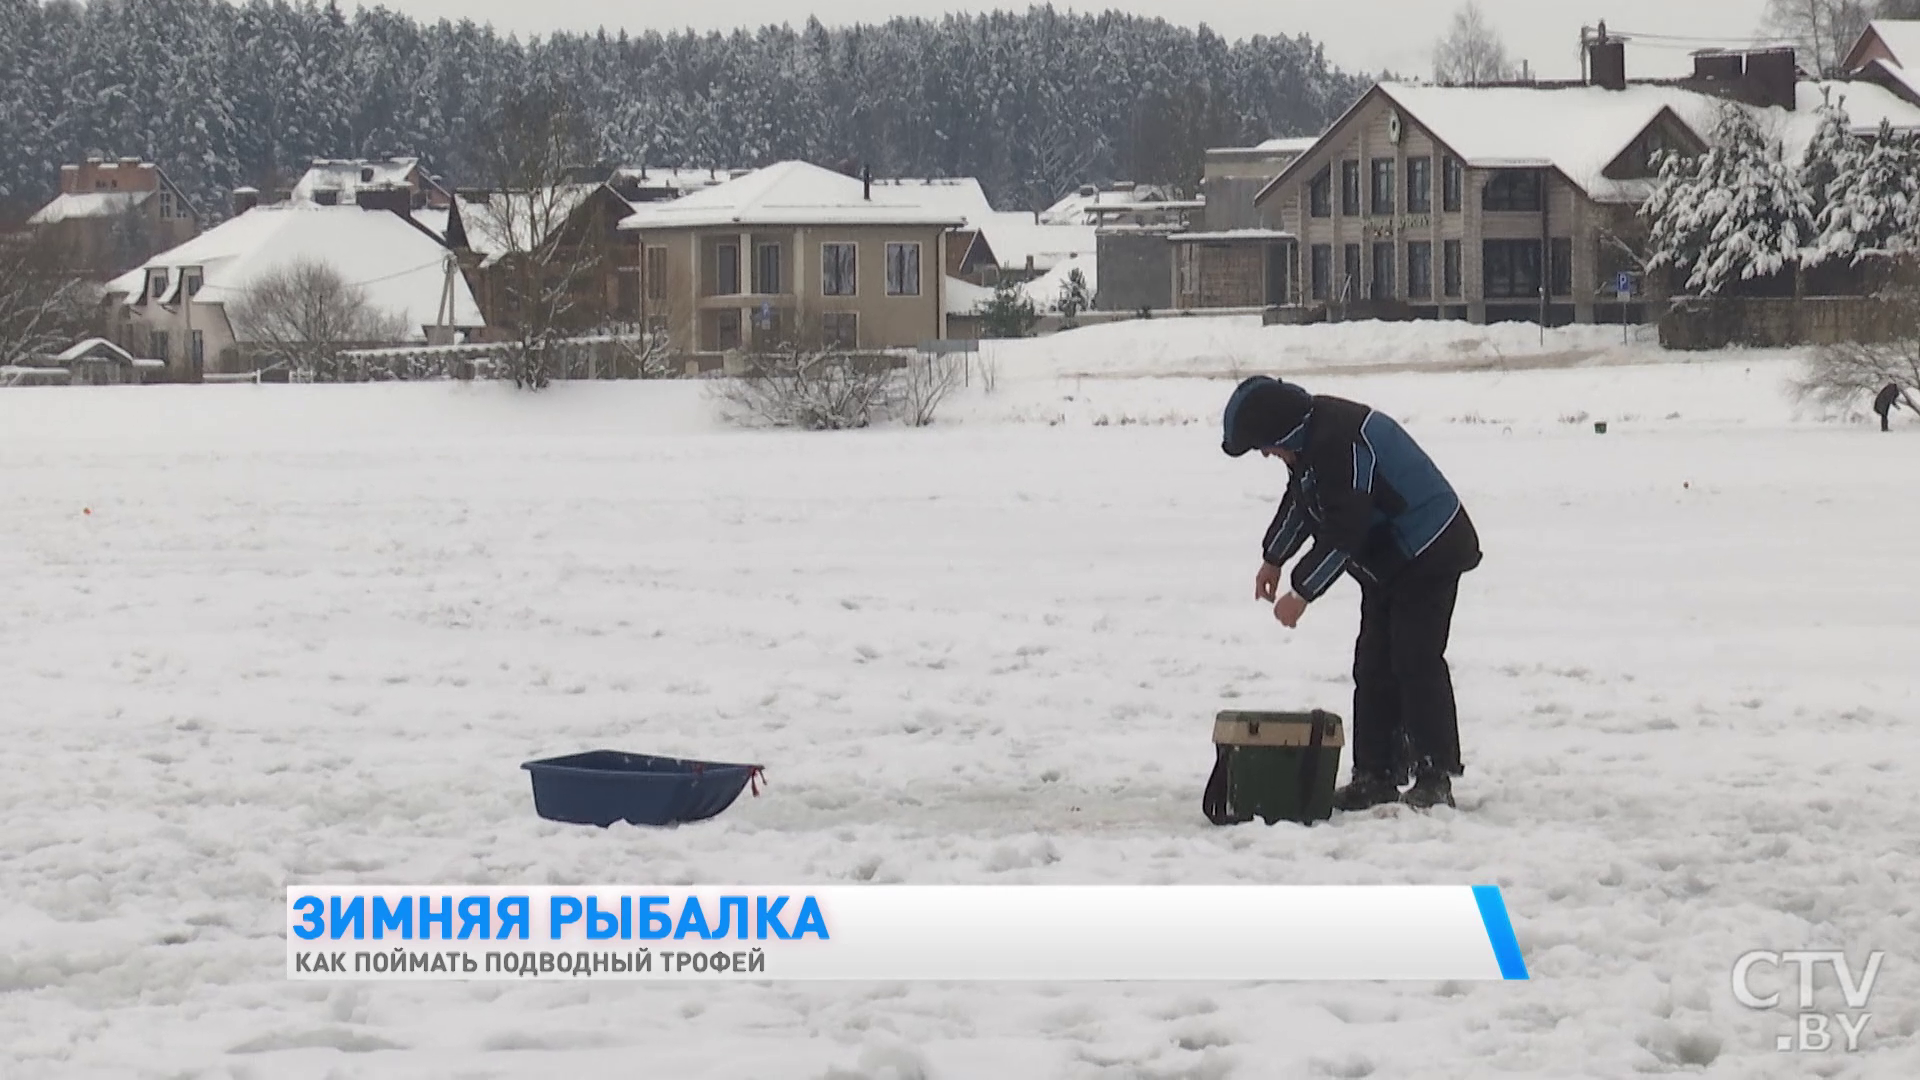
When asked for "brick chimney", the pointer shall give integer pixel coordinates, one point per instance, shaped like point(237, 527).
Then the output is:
point(1607, 61)
point(385, 197)
point(1773, 78)
point(245, 199)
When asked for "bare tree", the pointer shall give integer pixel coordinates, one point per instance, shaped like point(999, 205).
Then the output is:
point(546, 260)
point(305, 315)
point(1472, 51)
point(44, 305)
point(1897, 9)
point(1823, 31)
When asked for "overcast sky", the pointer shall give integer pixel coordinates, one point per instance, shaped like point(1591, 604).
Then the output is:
point(1362, 35)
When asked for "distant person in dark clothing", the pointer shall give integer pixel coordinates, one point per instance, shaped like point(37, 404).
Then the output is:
point(1889, 397)
point(1378, 510)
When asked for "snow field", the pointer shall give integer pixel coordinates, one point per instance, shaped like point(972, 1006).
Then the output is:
point(309, 633)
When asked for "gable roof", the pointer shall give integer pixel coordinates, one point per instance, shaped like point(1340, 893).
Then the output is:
point(105, 349)
point(88, 204)
point(499, 224)
point(345, 177)
point(1013, 238)
point(790, 193)
point(400, 267)
point(1900, 36)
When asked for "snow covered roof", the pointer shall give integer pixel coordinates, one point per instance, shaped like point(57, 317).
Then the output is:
point(80, 351)
point(434, 220)
point(1298, 144)
point(1092, 207)
point(399, 267)
point(673, 179)
point(789, 193)
point(1580, 130)
point(961, 197)
point(503, 223)
point(88, 204)
point(1015, 237)
point(347, 177)
point(965, 298)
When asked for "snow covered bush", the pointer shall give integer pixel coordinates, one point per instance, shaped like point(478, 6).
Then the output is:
point(1075, 298)
point(1736, 213)
point(1008, 313)
point(813, 391)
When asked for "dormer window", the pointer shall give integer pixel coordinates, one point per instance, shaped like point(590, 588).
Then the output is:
point(191, 283)
point(156, 283)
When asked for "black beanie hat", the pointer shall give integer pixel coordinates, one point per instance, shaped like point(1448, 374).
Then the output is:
point(1265, 412)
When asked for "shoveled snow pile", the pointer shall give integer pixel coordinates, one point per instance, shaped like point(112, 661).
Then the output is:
point(1219, 346)
point(256, 636)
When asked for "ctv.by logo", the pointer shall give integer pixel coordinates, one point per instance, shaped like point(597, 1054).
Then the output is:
point(1812, 1030)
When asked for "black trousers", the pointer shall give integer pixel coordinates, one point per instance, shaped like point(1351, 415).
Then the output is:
point(1400, 673)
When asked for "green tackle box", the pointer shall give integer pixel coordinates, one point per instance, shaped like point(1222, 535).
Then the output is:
point(1275, 766)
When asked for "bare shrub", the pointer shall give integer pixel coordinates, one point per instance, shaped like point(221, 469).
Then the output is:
point(813, 391)
point(924, 385)
point(1838, 377)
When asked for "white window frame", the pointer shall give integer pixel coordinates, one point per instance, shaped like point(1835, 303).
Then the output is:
point(855, 282)
point(903, 245)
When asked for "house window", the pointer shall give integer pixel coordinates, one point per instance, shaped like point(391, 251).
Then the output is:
point(1453, 179)
point(199, 351)
point(766, 270)
point(166, 205)
point(1513, 189)
point(1419, 186)
point(1450, 259)
point(903, 269)
point(1641, 157)
point(1322, 271)
point(191, 284)
point(840, 330)
point(1561, 263)
point(627, 297)
point(1350, 188)
point(839, 270)
point(656, 273)
point(156, 283)
point(1511, 269)
point(727, 329)
point(726, 270)
point(1350, 283)
point(1320, 193)
point(1383, 186)
point(1382, 271)
point(1420, 270)
point(157, 345)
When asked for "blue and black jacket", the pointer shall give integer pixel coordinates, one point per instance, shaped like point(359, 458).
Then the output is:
point(1368, 497)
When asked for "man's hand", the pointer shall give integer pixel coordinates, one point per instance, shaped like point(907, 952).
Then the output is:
point(1266, 584)
point(1288, 610)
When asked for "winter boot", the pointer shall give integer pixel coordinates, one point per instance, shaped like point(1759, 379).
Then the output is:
point(1367, 790)
point(1431, 787)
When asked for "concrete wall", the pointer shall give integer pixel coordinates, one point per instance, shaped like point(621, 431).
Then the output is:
point(1135, 271)
point(1782, 323)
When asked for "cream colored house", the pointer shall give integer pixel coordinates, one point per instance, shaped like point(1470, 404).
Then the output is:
point(792, 254)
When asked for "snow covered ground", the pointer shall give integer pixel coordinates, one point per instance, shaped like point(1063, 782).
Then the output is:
point(254, 636)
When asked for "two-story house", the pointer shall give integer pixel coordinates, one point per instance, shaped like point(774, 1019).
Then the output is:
point(792, 254)
point(113, 215)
